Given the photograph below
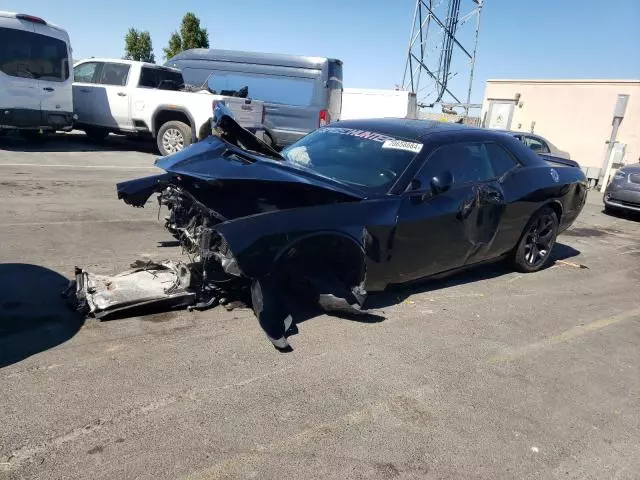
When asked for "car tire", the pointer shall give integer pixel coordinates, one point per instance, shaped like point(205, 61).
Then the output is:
point(173, 137)
point(609, 210)
point(34, 136)
point(533, 251)
point(97, 134)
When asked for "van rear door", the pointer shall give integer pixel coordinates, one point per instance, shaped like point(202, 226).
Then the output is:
point(55, 79)
point(19, 87)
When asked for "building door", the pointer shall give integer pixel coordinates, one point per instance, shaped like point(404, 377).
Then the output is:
point(500, 115)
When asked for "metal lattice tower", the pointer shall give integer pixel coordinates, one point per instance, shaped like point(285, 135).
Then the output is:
point(442, 52)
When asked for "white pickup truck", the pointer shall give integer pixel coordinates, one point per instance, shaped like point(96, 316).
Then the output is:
point(138, 98)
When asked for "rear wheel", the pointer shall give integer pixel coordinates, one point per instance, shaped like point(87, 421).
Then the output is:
point(533, 251)
point(97, 134)
point(34, 136)
point(173, 137)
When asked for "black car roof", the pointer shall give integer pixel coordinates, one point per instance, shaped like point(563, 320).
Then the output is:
point(418, 130)
point(410, 129)
point(400, 127)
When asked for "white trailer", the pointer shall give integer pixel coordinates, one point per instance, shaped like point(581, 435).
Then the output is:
point(358, 103)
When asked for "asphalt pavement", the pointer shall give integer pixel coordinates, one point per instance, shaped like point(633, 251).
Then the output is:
point(489, 374)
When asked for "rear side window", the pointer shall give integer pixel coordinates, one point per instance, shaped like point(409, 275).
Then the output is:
point(114, 74)
point(536, 145)
point(31, 55)
point(285, 90)
point(85, 72)
point(160, 78)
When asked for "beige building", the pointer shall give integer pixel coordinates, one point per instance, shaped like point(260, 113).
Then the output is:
point(575, 115)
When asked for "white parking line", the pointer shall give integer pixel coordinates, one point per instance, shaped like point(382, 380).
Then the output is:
point(60, 165)
point(66, 222)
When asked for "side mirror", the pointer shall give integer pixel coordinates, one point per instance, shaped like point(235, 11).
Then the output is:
point(442, 182)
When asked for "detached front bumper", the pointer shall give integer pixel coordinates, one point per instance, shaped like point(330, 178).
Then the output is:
point(148, 285)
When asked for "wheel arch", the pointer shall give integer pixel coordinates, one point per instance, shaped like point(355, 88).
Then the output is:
point(556, 206)
point(327, 245)
point(167, 113)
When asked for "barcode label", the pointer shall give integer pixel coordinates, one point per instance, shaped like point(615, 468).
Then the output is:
point(402, 145)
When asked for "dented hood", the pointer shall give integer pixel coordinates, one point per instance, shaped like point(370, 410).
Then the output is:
point(214, 160)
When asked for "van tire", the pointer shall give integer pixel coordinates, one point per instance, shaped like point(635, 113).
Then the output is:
point(173, 136)
point(97, 134)
point(33, 136)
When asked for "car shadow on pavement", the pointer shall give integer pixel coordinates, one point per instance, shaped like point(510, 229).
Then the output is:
point(398, 293)
point(75, 142)
point(623, 214)
point(33, 315)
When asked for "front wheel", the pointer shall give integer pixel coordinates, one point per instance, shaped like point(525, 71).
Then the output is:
point(173, 137)
point(533, 251)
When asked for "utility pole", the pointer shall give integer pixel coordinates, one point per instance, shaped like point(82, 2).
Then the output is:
point(618, 114)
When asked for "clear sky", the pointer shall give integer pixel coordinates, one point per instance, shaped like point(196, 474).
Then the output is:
point(518, 38)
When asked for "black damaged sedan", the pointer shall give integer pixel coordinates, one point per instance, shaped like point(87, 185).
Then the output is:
point(356, 206)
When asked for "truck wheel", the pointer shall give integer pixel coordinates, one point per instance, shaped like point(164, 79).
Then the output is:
point(533, 251)
point(173, 137)
point(96, 134)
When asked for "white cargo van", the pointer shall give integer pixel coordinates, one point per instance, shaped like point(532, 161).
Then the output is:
point(35, 81)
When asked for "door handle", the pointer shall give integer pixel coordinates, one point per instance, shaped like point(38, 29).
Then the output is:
point(85, 90)
point(48, 89)
point(122, 94)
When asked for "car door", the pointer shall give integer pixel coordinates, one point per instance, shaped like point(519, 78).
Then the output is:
point(439, 231)
point(112, 103)
point(55, 82)
point(85, 75)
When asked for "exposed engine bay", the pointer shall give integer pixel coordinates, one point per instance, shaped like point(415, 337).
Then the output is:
point(211, 276)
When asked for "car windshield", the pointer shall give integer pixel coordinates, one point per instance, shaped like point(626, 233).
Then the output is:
point(368, 160)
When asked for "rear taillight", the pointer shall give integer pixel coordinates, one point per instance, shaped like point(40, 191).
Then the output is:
point(324, 118)
point(30, 18)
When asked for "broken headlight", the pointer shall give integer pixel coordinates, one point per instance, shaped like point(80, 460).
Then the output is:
point(226, 258)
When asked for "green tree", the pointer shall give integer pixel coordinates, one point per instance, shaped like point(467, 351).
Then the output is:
point(191, 35)
point(138, 46)
point(174, 47)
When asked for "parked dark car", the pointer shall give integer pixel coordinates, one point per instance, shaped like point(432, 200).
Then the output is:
point(623, 192)
point(540, 145)
point(355, 207)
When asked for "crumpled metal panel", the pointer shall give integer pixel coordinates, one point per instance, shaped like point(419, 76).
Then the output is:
point(164, 284)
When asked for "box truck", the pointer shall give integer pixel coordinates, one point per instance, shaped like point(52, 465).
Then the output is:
point(360, 103)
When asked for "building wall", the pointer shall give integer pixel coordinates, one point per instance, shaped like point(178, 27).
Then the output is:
point(575, 115)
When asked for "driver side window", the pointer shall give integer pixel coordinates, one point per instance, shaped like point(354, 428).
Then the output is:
point(467, 162)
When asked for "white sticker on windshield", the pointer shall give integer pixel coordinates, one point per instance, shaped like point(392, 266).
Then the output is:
point(402, 145)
